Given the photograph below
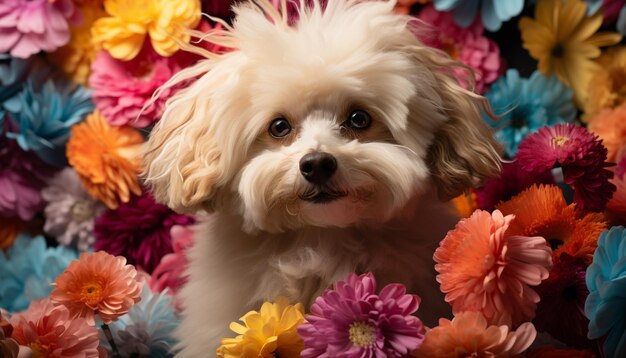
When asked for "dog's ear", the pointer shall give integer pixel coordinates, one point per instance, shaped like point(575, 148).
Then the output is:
point(463, 152)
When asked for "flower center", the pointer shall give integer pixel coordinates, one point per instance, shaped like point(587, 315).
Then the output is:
point(81, 211)
point(38, 350)
point(555, 243)
point(91, 293)
point(570, 293)
point(558, 51)
point(559, 140)
point(362, 334)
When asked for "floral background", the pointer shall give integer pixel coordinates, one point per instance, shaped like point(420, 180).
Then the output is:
point(91, 264)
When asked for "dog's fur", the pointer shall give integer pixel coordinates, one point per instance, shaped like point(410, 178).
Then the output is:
point(211, 152)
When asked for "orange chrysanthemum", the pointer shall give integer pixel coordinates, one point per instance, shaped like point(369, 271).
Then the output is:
point(106, 158)
point(484, 268)
point(97, 283)
point(610, 126)
point(465, 204)
point(607, 87)
point(542, 211)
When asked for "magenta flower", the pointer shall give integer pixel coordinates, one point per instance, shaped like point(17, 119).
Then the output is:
point(353, 321)
point(122, 88)
point(138, 230)
point(29, 26)
point(581, 156)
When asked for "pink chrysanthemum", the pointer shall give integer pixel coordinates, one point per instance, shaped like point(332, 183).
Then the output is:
point(467, 45)
point(581, 156)
point(50, 331)
point(353, 321)
point(122, 88)
point(138, 230)
point(29, 26)
point(482, 269)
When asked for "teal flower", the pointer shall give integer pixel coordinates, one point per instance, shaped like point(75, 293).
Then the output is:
point(27, 269)
point(146, 331)
point(492, 12)
point(606, 304)
point(44, 115)
point(527, 105)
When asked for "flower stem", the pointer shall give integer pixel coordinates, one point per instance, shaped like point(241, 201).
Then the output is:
point(109, 335)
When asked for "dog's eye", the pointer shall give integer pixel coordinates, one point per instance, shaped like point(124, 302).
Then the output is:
point(359, 120)
point(279, 128)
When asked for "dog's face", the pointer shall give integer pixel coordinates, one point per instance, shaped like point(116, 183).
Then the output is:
point(337, 120)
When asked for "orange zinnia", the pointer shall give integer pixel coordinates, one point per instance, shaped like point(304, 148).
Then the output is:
point(610, 126)
point(106, 158)
point(542, 211)
point(97, 283)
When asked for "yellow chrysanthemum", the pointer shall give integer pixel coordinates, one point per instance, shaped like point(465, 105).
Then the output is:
point(76, 57)
point(272, 332)
point(123, 33)
point(564, 41)
point(106, 158)
point(607, 87)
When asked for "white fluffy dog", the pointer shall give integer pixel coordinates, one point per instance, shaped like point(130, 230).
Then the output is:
point(316, 149)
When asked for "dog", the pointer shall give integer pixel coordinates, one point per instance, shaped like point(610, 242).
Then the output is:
point(315, 148)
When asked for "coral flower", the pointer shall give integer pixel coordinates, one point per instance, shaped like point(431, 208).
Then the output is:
point(470, 335)
point(106, 159)
point(124, 32)
point(542, 211)
point(97, 284)
point(482, 268)
point(610, 126)
point(607, 87)
point(50, 331)
point(564, 41)
point(271, 332)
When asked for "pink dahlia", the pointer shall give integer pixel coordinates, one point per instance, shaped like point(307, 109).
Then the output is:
point(481, 268)
point(581, 156)
point(49, 331)
point(353, 321)
point(467, 45)
point(29, 26)
point(138, 230)
point(122, 88)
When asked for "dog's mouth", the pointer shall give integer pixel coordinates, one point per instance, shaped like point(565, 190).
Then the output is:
point(322, 196)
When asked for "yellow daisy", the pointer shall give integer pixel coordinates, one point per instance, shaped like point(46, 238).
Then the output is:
point(607, 87)
point(273, 331)
point(564, 41)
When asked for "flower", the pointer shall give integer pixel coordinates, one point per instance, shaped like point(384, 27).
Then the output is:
point(528, 104)
point(492, 12)
point(170, 273)
point(27, 270)
point(273, 331)
point(146, 331)
point(124, 32)
point(355, 321)
point(121, 89)
point(581, 156)
point(607, 86)
point(97, 283)
point(616, 208)
point(563, 295)
point(470, 335)
point(547, 352)
point(403, 7)
point(512, 181)
point(610, 126)
point(106, 159)
point(542, 211)
point(465, 204)
point(70, 211)
point(13, 74)
point(564, 41)
point(139, 230)
point(29, 26)
point(481, 267)
point(9, 229)
point(50, 331)
point(44, 117)
point(8, 346)
point(218, 8)
point(606, 304)
point(75, 58)
point(467, 45)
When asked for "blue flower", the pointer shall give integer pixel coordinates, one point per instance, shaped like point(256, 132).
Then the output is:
point(527, 105)
point(606, 304)
point(492, 12)
point(27, 270)
point(146, 330)
point(44, 115)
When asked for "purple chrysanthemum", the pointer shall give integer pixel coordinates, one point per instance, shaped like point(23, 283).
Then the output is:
point(581, 156)
point(138, 230)
point(353, 321)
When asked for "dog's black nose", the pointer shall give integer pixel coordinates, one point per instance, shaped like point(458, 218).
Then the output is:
point(318, 167)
